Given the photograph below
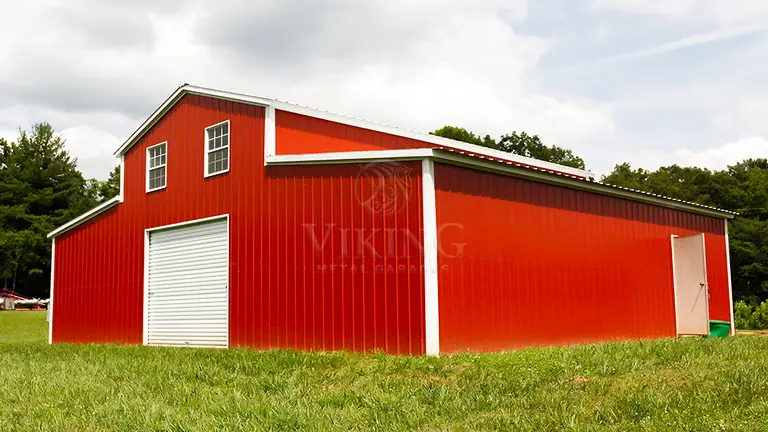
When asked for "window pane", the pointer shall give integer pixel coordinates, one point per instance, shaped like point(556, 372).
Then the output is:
point(225, 140)
point(225, 128)
point(210, 134)
point(157, 178)
point(218, 161)
point(162, 159)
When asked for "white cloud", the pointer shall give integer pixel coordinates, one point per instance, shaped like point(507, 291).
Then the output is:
point(418, 65)
point(689, 42)
point(93, 149)
point(716, 158)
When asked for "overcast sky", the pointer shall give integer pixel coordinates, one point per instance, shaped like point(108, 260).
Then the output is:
point(652, 82)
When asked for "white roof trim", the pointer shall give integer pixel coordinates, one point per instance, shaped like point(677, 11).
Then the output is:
point(505, 168)
point(343, 119)
point(349, 157)
point(86, 216)
point(171, 101)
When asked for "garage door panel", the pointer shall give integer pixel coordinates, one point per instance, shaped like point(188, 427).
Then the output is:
point(173, 234)
point(186, 250)
point(187, 286)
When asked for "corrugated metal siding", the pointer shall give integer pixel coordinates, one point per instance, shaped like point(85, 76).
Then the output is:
point(299, 134)
point(283, 292)
point(187, 286)
point(534, 264)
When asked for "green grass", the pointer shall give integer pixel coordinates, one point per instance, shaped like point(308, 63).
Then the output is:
point(686, 384)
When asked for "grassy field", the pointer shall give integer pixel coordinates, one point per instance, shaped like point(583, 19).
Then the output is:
point(686, 384)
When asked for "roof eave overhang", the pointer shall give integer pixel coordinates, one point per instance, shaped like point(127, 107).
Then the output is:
point(86, 216)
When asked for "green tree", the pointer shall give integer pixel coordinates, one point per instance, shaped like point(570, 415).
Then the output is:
point(531, 146)
point(517, 143)
point(40, 188)
point(100, 191)
point(463, 135)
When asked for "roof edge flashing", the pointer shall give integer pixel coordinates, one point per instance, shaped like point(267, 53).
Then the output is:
point(90, 214)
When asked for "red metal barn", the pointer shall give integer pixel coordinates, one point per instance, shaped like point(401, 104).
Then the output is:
point(250, 222)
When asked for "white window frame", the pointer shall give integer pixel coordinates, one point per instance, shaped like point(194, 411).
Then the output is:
point(165, 165)
point(208, 152)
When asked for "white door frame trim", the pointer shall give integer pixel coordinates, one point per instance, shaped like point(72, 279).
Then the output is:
point(50, 303)
point(147, 232)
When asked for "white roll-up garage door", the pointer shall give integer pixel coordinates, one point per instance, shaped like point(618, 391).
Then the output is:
point(187, 285)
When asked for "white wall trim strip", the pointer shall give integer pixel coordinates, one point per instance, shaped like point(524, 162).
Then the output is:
point(730, 283)
point(349, 157)
point(431, 304)
point(270, 133)
point(50, 303)
point(145, 294)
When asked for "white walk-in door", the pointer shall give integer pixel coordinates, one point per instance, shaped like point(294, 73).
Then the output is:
point(691, 294)
point(187, 285)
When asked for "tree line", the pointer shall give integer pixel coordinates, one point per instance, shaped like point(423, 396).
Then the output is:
point(742, 187)
point(41, 189)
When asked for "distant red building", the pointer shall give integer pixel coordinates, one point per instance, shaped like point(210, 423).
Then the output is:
point(249, 222)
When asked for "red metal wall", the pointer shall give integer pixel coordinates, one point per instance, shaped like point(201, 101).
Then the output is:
point(317, 261)
point(300, 134)
point(524, 263)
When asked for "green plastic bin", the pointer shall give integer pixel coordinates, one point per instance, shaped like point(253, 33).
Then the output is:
point(719, 329)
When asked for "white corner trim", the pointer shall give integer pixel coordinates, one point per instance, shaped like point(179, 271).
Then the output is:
point(50, 303)
point(348, 157)
point(85, 216)
point(730, 284)
point(145, 291)
point(121, 192)
point(674, 283)
point(431, 304)
point(270, 133)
